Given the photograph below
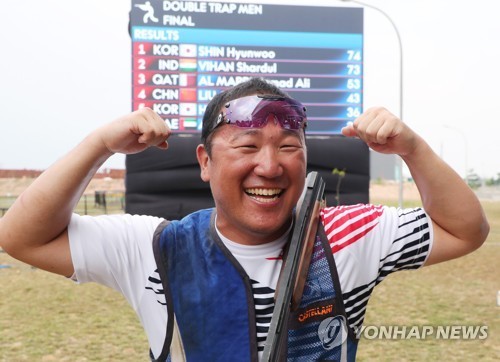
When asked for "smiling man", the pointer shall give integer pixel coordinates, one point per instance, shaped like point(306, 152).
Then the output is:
point(265, 148)
point(203, 286)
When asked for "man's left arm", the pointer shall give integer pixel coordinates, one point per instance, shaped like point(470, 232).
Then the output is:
point(459, 222)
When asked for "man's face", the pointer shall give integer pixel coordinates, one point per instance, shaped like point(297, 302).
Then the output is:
point(256, 176)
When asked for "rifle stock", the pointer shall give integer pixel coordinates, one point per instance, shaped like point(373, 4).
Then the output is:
point(296, 265)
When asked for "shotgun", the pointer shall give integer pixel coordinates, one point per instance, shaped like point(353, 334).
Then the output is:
point(296, 266)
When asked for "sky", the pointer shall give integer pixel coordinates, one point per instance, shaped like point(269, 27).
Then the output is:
point(65, 69)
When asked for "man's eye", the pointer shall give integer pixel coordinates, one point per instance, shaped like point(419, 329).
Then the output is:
point(290, 147)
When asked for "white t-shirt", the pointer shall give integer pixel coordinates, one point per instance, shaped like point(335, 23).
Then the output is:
point(368, 242)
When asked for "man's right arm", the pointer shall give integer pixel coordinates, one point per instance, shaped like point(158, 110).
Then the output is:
point(34, 229)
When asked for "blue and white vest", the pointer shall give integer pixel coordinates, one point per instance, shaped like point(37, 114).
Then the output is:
point(211, 297)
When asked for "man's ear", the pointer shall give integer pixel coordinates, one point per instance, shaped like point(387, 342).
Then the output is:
point(204, 161)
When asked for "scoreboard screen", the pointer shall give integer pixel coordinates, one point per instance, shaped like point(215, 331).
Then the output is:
point(185, 52)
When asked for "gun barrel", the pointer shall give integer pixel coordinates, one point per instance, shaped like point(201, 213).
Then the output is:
point(296, 264)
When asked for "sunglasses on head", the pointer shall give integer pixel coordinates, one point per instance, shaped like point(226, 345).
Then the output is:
point(253, 112)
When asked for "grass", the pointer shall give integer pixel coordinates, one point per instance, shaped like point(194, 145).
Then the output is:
point(44, 317)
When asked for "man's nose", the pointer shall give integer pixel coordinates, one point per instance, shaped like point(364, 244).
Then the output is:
point(268, 162)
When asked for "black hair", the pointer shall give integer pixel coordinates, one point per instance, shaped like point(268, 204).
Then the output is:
point(250, 87)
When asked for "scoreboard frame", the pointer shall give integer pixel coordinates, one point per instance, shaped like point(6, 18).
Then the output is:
point(314, 53)
point(184, 52)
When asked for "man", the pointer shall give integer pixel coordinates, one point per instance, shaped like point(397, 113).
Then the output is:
point(216, 270)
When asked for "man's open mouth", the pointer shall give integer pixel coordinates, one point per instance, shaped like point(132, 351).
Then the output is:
point(264, 195)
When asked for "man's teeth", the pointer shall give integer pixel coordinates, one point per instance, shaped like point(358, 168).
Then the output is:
point(264, 195)
point(263, 192)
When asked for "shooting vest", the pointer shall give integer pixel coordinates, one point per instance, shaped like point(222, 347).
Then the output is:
point(209, 297)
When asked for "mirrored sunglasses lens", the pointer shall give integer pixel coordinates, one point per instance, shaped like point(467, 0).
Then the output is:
point(252, 123)
point(253, 112)
point(291, 122)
